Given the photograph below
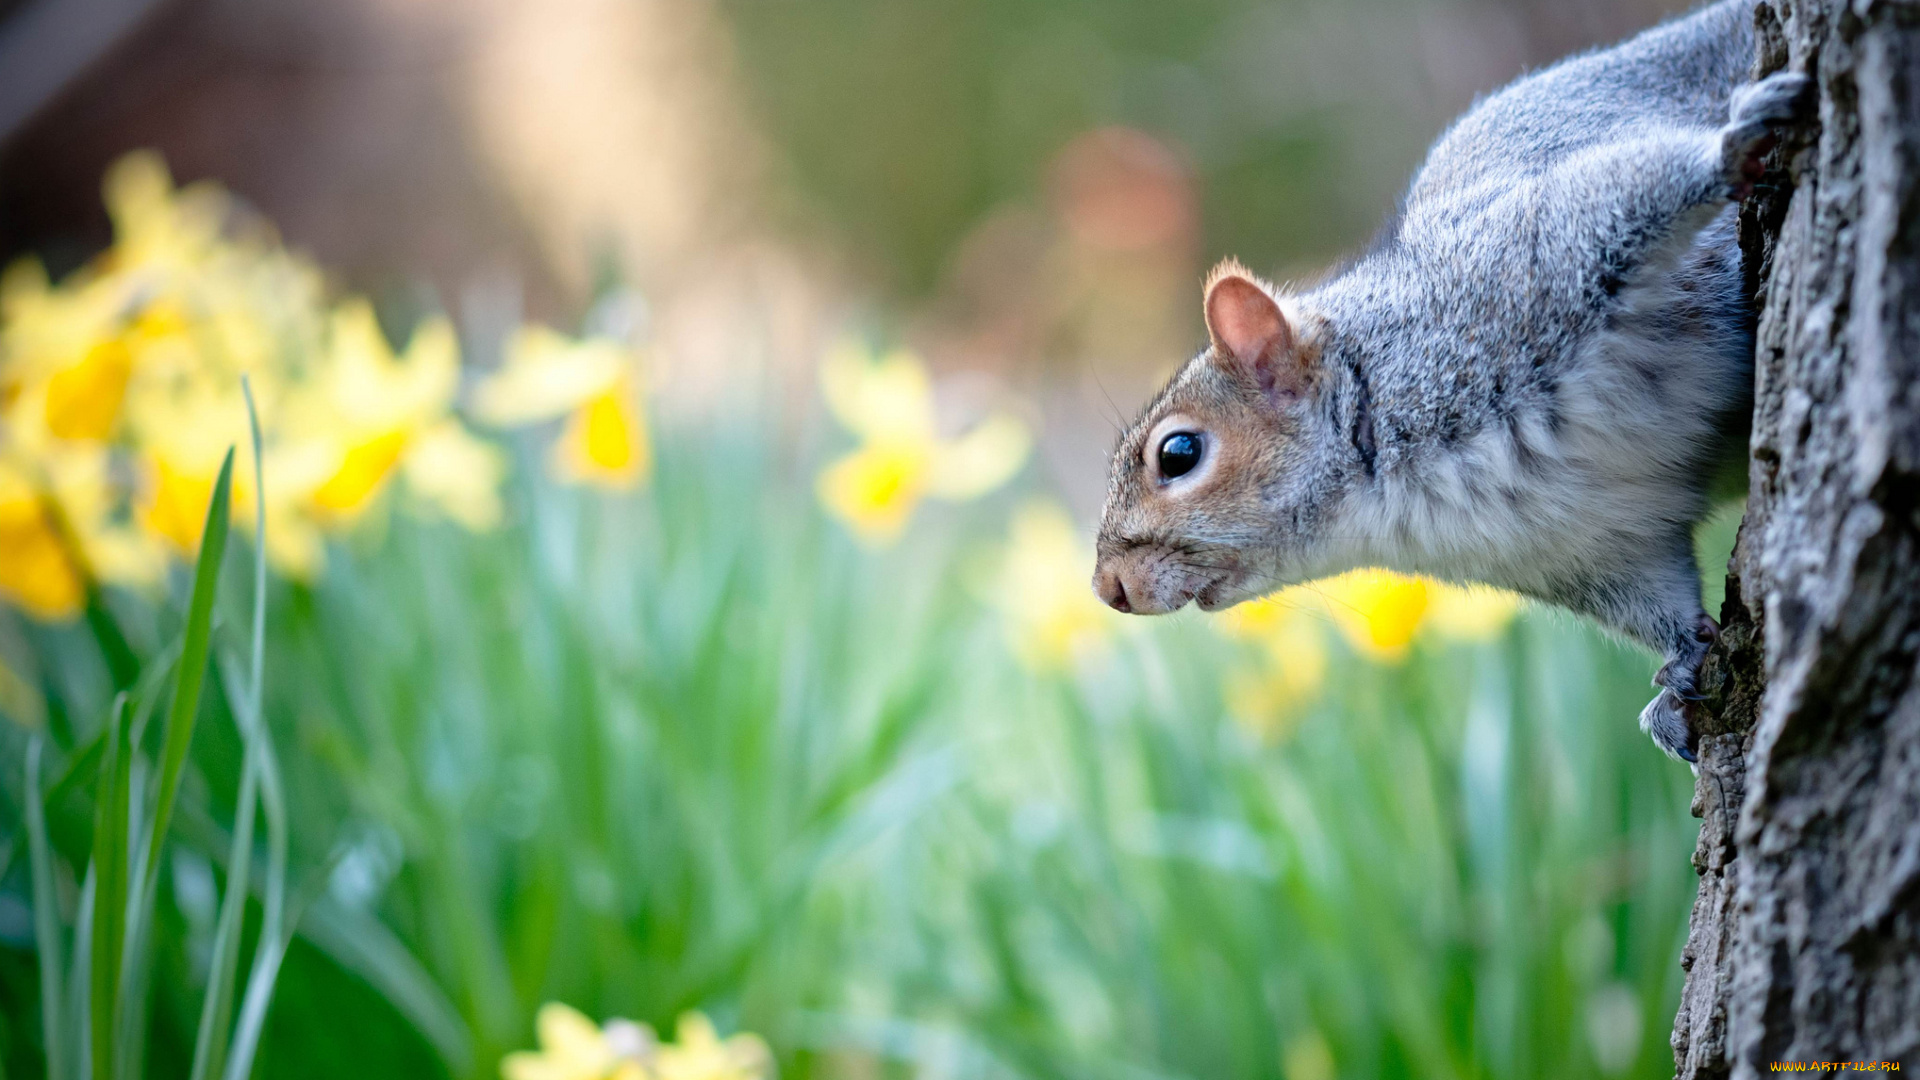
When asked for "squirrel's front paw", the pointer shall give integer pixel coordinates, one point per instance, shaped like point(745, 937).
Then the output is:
point(1665, 717)
point(1665, 720)
point(1757, 114)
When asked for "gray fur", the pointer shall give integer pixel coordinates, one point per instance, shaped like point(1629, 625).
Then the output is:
point(1529, 378)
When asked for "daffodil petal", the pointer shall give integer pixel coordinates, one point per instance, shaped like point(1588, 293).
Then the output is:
point(567, 1036)
point(1042, 592)
point(176, 504)
point(83, 401)
point(886, 400)
point(362, 473)
point(874, 489)
point(1376, 610)
point(547, 374)
point(981, 460)
point(1474, 613)
point(605, 442)
point(36, 571)
point(457, 474)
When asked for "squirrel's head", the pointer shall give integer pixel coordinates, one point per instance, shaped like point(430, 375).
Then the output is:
point(1214, 489)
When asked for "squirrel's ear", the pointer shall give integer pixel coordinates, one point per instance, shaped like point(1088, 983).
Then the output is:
point(1249, 330)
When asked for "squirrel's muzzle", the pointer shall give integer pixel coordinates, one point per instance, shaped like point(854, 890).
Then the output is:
point(1151, 579)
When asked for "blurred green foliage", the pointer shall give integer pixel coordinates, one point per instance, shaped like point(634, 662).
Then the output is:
point(694, 748)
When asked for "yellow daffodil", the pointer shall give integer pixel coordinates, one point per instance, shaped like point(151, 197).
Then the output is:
point(83, 401)
point(449, 469)
point(1379, 612)
point(1267, 698)
point(177, 505)
point(698, 1053)
point(81, 510)
point(888, 404)
point(120, 393)
point(593, 383)
point(572, 1047)
point(1041, 590)
point(63, 370)
point(373, 415)
point(1471, 613)
point(155, 225)
point(37, 570)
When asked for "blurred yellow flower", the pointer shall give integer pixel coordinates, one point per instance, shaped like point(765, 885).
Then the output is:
point(590, 381)
point(176, 507)
point(155, 225)
point(449, 469)
point(1378, 612)
point(371, 415)
point(875, 488)
point(698, 1053)
point(1471, 613)
point(887, 403)
point(36, 570)
point(83, 401)
point(1041, 590)
point(1267, 698)
point(364, 466)
point(573, 1048)
point(120, 392)
point(604, 442)
point(370, 403)
point(63, 374)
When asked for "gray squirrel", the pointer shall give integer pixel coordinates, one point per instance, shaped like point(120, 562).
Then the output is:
point(1528, 380)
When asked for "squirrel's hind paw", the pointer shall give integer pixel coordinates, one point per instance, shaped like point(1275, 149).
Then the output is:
point(1756, 116)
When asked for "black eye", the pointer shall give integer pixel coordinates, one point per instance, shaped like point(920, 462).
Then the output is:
point(1179, 453)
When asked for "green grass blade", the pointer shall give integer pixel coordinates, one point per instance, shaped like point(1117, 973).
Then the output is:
point(216, 1009)
point(274, 934)
point(46, 923)
point(79, 986)
point(193, 662)
point(260, 762)
point(136, 963)
point(110, 845)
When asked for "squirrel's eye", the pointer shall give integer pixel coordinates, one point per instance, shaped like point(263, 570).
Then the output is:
point(1179, 453)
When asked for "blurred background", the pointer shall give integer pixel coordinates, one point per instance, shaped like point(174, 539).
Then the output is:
point(683, 425)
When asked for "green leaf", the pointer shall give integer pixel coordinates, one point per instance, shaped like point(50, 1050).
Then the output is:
point(193, 664)
point(216, 1009)
point(274, 932)
point(46, 923)
point(110, 846)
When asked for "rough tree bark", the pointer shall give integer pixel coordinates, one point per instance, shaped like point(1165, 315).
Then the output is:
point(1805, 939)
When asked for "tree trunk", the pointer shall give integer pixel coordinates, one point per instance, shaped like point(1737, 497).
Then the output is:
point(1805, 939)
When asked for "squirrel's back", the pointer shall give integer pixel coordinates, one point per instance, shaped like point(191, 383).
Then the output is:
point(1679, 74)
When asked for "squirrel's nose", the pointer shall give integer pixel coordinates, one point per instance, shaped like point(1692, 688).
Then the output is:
point(1108, 586)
